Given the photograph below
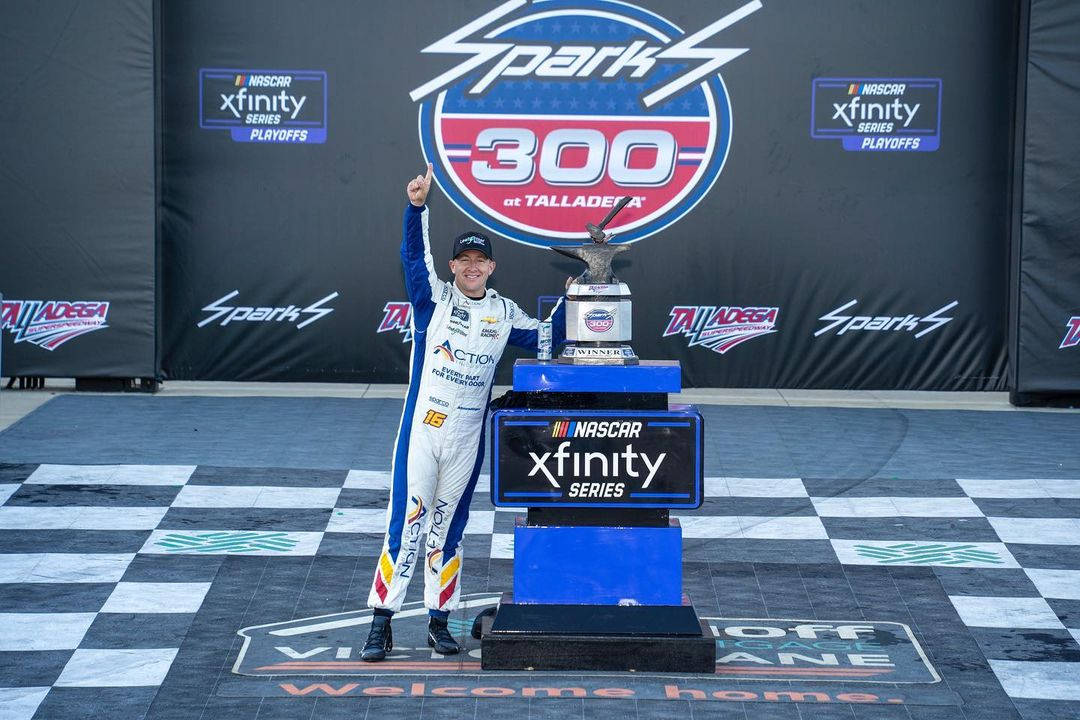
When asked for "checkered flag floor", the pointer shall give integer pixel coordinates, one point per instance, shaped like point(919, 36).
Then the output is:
point(104, 567)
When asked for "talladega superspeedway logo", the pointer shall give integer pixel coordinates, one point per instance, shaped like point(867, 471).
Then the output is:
point(51, 323)
point(720, 328)
point(397, 315)
point(556, 110)
point(1072, 333)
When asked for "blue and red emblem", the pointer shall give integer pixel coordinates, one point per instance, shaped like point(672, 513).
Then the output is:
point(561, 107)
point(599, 320)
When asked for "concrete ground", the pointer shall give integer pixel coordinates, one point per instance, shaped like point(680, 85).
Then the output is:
point(16, 403)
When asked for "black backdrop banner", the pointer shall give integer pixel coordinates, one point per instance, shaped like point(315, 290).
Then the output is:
point(77, 187)
point(1048, 328)
point(820, 196)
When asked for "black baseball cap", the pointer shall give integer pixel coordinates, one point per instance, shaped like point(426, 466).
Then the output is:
point(472, 240)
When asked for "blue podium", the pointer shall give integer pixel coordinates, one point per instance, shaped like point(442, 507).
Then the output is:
point(598, 457)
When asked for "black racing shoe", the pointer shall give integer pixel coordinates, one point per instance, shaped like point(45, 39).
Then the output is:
point(379, 641)
point(440, 638)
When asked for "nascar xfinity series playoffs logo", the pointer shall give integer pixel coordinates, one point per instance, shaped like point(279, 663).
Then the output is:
point(268, 106)
point(51, 323)
point(878, 114)
point(559, 107)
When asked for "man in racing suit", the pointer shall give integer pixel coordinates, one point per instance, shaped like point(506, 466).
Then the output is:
point(459, 332)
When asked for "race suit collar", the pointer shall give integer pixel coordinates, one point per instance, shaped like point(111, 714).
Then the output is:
point(489, 293)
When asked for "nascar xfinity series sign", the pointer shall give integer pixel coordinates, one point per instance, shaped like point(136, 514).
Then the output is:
point(878, 114)
point(554, 109)
point(603, 459)
point(268, 106)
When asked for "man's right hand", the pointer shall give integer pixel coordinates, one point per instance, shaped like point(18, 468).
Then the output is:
point(418, 187)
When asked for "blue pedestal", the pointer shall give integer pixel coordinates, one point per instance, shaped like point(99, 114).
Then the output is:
point(590, 565)
point(650, 376)
point(597, 578)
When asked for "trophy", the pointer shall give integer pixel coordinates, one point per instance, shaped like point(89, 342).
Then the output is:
point(598, 305)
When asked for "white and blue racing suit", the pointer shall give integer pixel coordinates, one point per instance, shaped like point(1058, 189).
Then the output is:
point(457, 343)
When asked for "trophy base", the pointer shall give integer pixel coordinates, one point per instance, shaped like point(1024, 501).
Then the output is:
point(643, 638)
point(598, 355)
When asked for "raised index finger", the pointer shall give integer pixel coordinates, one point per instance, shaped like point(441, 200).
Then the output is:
point(427, 178)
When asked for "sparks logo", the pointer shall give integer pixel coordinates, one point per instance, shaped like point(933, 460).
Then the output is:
point(397, 316)
point(880, 323)
point(1072, 335)
point(563, 107)
point(243, 313)
point(720, 328)
point(446, 350)
point(51, 323)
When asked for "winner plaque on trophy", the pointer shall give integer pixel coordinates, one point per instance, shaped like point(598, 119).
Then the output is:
point(598, 317)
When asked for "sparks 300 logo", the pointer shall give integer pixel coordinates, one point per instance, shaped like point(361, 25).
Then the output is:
point(563, 107)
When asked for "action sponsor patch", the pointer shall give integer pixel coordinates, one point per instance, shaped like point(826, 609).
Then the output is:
point(264, 106)
point(877, 114)
point(450, 354)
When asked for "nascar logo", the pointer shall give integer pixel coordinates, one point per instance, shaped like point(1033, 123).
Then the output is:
point(597, 429)
point(560, 108)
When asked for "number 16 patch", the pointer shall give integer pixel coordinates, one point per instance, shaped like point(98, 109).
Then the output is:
point(434, 419)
